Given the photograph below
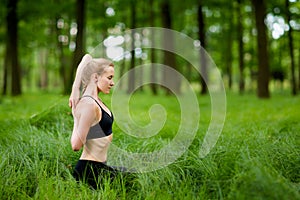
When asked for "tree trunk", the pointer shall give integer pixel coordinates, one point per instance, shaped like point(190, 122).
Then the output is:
point(61, 56)
point(131, 75)
point(12, 59)
point(228, 51)
point(122, 68)
point(42, 60)
point(122, 65)
point(291, 49)
point(80, 46)
point(153, 86)
point(6, 69)
point(170, 78)
point(138, 62)
point(263, 58)
point(201, 35)
point(240, 31)
point(253, 71)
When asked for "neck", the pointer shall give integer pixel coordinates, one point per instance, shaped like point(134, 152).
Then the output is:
point(91, 91)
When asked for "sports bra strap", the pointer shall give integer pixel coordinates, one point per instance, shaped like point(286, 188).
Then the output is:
point(92, 98)
point(110, 115)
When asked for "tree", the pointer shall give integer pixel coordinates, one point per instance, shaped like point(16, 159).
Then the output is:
point(131, 80)
point(201, 36)
point(80, 44)
point(229, 47)
point(291, 48)
point(153, 86)
point(263, 58)
point(12, 67)
point(61, 18)
point(61, 54)
point(240, 31)
point(170, 77)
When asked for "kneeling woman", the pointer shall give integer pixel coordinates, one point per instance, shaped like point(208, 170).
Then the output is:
point(93, 121)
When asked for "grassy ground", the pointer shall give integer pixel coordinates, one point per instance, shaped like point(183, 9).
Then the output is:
point(256, 157)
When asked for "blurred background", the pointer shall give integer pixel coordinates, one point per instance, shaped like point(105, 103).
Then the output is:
point(255, 44)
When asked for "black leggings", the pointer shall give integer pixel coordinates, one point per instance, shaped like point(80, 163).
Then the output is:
point(93, 172)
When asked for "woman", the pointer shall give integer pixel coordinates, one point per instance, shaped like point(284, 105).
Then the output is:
point(92, 128)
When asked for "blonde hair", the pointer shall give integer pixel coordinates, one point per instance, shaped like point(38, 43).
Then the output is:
point(93, 65)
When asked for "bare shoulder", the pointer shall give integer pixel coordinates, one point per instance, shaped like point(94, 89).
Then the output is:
point(84, 105)
point(88, 106)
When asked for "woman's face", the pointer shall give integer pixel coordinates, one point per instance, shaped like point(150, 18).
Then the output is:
point(105, 81)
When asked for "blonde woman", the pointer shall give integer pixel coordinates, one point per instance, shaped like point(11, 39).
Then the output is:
point(93, 121)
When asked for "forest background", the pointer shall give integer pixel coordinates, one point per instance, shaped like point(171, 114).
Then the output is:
point(255, 44)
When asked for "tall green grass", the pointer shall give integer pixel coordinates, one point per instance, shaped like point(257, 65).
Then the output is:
point(256, 157)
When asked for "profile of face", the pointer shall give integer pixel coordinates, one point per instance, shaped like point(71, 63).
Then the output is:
point(105, 80)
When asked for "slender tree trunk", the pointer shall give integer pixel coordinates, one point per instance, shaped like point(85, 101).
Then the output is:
point(263, 57)
point(253, 71)
point(291, 49)
point(61, 55)
point(43, 55)
point(228, 51)
point(12, 57)
point(201, 34)
point(170, 77)
point(122, 67)
point(240, 32)
point(122, 71)
point(153, 86)
point(131, 76)
point(139, 61)
point(6, 69)
point(80, 46)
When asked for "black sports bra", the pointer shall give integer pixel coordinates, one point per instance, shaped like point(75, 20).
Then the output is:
point(104, 127)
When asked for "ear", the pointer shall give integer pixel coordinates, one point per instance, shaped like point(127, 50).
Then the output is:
point(95, 77)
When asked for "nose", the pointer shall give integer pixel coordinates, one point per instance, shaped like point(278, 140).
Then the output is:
point(112, 83)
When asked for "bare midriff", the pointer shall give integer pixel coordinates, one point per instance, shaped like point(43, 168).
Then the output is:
point(96, 149)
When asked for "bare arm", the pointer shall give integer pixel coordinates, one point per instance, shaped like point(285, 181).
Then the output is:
point(75, 94)
point(84, 117)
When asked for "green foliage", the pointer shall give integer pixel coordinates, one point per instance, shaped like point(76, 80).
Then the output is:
point(256, 157)
point(38, 23)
